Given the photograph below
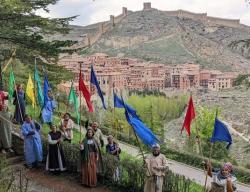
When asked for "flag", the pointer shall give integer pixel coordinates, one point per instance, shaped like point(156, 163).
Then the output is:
point(85, 92)
point(94, 81)
point(73, 99)
point(11, 84)
point(119, 104)
point(46, 88)
point(30, 91)
point(141, 130)
point(39, 88)
point(221, 133)
point(190, 115)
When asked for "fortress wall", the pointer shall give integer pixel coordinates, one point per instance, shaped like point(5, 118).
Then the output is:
point(225, 22)
point(172, 13)
point(118, 18)
point(190, 15)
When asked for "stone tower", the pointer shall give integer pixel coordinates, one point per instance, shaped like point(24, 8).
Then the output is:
point(146, 6)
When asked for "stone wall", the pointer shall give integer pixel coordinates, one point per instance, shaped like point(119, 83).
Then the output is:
point(204, 18)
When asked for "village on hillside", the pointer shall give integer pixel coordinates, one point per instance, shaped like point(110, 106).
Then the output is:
point(135, 74)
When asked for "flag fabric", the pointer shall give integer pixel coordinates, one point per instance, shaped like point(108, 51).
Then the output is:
point(11, 84)
point(141, 130)
point(221, 133)
point(94, 81)
point(190, 115)
point(39, 88)
point(30, 91)
point(118, 103)
point(73, 99)
point(46, 88)
point(85, 92)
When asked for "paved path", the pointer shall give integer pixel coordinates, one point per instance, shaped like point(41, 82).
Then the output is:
point(195, 174)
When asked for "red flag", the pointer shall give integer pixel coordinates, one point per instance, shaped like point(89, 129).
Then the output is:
point(85, 92)
point(190, 115)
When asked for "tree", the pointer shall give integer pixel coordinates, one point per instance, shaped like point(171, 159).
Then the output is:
point(21, 29)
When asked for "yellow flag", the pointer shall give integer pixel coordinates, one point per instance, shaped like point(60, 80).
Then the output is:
point(30, 91)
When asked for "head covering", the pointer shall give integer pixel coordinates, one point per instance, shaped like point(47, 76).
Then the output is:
point(228, 166)
point(110, 137)
point(156, 146)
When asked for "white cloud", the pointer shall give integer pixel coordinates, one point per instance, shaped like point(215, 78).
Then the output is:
point(92, 11)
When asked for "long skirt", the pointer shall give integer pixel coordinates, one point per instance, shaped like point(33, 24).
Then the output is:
point(153, 185)
point(216, 188)
point(89, 177)
point(55, 159)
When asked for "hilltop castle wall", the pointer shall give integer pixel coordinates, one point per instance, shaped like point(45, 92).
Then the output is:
point(204, 18)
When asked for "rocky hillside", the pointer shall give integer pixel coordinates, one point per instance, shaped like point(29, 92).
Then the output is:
point(153, 35)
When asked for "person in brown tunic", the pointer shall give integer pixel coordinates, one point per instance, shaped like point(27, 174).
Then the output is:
point(156, 166)
point(90, 155)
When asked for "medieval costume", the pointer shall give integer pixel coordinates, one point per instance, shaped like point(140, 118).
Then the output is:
point(55, 158)
point(113, 149)
point(66, 128)
point(98, 134)
point(32, 142)
point(90, 156)
point(19, 102)
point(156, 166)
point(223, 179)
point(48, 109)
point(5, 124)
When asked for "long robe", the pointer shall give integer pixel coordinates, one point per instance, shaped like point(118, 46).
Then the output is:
point(32, 143)
point(155, 172)
point(89, 162)
point(47, 111)
point(5, 130)
point(219, 183)
point(55, 158)
point(19, 102)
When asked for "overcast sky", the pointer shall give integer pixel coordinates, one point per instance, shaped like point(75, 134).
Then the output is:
point(92, 11)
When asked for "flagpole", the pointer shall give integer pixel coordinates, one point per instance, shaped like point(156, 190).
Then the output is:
point(210, 154)
point(80, 113)
point(35, 91)
point(114, 115)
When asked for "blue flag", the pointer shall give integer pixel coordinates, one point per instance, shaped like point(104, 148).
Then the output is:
point(141, 130)
point(221, 133)
point(118, 103)
point(46, 88)
point(94, 81)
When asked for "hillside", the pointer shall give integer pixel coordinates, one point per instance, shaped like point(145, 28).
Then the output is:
point(154, 35)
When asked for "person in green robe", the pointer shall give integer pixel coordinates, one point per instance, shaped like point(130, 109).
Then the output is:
point(5, 130)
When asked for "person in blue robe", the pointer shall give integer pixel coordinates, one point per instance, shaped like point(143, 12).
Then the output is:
point(48, 109)
point(19, 102)
point(32, 142)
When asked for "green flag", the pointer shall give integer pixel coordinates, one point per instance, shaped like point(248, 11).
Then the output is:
point(74, 99)
point(39, 88)
point(11, 84)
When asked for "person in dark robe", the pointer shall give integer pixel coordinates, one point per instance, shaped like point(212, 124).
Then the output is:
point(90, 155)
point(55, 158)
point(33, 152)
point(19, 102)
point(113, 149)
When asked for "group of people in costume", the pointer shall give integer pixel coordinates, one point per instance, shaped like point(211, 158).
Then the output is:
point(224, 179)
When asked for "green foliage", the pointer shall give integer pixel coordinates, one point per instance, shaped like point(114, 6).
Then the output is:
point(22, 29)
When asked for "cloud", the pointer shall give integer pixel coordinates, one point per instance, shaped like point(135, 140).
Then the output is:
point(92, 11)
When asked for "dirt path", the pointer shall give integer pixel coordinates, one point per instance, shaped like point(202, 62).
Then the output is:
point(57, 183)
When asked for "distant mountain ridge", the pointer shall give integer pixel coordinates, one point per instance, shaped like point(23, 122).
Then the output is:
point(170, 37)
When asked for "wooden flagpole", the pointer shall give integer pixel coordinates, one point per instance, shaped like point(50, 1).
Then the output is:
point(35, 92)
point(80, 111)
point(210, 155)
